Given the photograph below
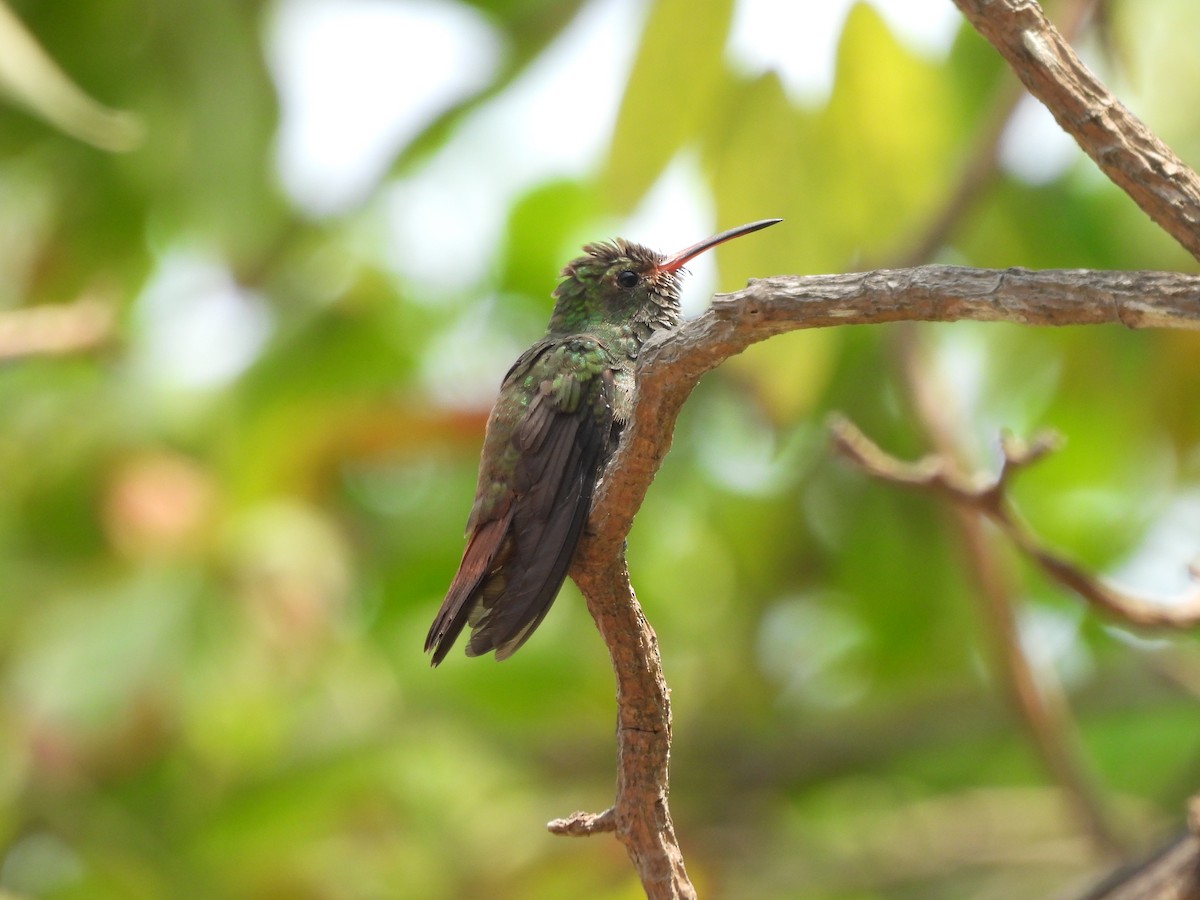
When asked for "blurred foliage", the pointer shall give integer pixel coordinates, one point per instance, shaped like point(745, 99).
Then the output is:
point(224, 531)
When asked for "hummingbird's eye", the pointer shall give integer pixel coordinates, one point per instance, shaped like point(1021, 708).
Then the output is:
point(628, 279)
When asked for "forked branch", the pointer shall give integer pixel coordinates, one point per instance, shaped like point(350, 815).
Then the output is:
point(670, 367)
point(989, 497)
point(668, 371)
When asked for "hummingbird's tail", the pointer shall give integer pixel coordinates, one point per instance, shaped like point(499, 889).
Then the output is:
point(486, 551)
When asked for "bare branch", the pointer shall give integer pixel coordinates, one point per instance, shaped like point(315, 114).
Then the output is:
point(584, 824)
point(990, 499)
point(1157, 180)
point(1038, 701)
point(640, 816)
point(1172, 873)
point(669, 368)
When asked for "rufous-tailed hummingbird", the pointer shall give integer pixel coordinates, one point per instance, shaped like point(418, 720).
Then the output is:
point(557, 420)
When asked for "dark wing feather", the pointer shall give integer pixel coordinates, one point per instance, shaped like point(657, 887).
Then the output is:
point(519, 551)
point(554, 482)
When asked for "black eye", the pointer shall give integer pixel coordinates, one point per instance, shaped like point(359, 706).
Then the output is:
point(628, 279)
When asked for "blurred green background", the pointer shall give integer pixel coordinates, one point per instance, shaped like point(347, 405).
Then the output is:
point(276, 295)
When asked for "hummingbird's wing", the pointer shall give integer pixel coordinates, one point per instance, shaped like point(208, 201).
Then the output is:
point(549, 435)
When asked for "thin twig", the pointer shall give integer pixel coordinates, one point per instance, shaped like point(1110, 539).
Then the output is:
point(991, 499)
point(584, 824)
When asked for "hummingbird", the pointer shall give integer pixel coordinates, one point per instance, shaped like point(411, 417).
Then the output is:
point(557, 420)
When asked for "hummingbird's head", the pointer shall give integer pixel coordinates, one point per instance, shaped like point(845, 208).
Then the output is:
point(618, 284)
point(626, 287)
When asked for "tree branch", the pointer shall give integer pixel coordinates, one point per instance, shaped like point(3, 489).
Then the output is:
point(1171, 873)
point(668, 370)
point(640, 816)
point(1037, 699)
point(670, 365)
point(1120, 144)
point(584, 824)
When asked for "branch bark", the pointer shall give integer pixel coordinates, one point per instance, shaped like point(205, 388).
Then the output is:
point(670, 366)
point(641, 815)
point(1122, 146)
point(668, 370)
